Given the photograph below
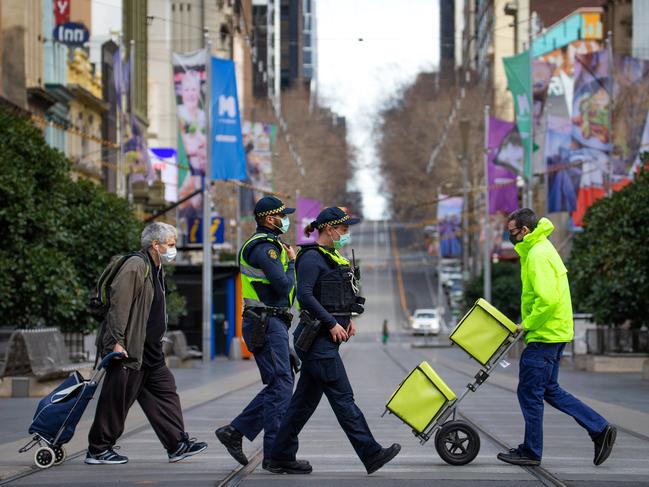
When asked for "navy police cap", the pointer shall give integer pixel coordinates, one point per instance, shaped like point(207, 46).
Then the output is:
point(269, 205)
point(334, 215)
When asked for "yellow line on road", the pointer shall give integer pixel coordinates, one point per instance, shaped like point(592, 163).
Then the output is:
point(397, 266)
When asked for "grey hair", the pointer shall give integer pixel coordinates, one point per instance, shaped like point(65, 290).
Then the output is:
point(157, 231)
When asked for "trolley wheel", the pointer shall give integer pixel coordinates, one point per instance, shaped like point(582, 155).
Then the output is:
point(44, 457)
point(457, 443)
point(59, 454)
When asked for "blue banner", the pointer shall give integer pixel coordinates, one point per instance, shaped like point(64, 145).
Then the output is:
point(228, 156)
point(195, 231)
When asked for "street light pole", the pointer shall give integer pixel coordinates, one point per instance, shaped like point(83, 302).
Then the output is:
point(207, 215)
point(487, 226)
point(464, 140)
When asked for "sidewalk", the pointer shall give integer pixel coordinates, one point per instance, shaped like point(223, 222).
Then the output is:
point(196, 386)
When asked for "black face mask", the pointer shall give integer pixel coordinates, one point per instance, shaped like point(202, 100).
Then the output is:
point(512, 238)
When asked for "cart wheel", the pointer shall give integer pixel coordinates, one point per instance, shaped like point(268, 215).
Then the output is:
point(457, 443)
point(59, 454)
point(44, 457)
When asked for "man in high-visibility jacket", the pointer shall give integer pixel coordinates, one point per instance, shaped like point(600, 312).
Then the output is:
point(546, 312)
point(268, 287)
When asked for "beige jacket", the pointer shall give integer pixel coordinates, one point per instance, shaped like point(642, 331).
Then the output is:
point(131, 295)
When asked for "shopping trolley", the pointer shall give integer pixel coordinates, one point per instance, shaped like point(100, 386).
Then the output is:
point(58, 414)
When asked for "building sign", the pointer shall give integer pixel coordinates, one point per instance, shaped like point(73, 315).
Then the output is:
point(61, 12)
point(586, 26)
point(195, 231)
point(71, 34)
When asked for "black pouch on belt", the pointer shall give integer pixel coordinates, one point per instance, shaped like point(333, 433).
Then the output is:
point(309, 332)
point(259, 322)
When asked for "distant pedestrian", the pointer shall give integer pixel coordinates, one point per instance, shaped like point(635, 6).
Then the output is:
point(546, 311)
point(386, 332)
point(135, 324)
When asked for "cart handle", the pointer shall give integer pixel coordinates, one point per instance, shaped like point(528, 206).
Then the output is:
point(104, 362)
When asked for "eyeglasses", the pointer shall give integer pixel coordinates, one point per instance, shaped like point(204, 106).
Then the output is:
point(515, 234)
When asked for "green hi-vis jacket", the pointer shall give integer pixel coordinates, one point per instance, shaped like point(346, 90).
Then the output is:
point(546, 308)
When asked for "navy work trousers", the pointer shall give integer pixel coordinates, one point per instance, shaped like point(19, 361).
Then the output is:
point(538, 381)
point(266, 410)
point(328, 377)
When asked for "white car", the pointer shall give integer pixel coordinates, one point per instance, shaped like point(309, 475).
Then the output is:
point(425, 321)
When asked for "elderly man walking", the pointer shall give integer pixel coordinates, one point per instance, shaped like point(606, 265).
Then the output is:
point(135, 324)
point(546, 311)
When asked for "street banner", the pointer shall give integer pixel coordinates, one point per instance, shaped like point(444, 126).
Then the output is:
point(307, 210)
point(190, 72)
point(631, 103)
point(136, 154)
point(449, 222)
point(504, 162)
point(563, 178)
point(541, 76)
point(518, 71)
point(259, 142)
point(228, 156)
point(163, 159)
point(133, 133)
point(591, 130)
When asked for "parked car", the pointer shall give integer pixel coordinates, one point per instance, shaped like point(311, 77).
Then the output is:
point(426, 322)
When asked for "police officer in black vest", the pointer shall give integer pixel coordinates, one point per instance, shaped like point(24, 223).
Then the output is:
point(327, 294)
point(268, 283)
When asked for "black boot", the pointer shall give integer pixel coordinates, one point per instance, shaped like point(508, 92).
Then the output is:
point(290, 467)
point(383, 457)
point(232, 439)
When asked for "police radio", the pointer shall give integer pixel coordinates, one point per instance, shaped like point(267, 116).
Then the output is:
point(357, 307)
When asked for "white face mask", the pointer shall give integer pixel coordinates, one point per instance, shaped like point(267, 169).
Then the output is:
point(169, 256)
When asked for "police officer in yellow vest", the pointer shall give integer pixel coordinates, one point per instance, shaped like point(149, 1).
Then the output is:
point(268, 284)
point(327, 291)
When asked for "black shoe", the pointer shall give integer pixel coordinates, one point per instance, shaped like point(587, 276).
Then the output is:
point(108, 457)
point(604, 444)
point(515, 457)
point(266, 463)
point(232, 439)
point(383, 457)
point(186, 448)
point(295, 467)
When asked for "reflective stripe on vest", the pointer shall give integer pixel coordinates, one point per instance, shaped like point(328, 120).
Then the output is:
point(250, 274)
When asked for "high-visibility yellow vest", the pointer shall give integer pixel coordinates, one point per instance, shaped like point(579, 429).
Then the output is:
point(250, 274)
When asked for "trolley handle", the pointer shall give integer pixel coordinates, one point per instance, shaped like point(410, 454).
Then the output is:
point(106, 360)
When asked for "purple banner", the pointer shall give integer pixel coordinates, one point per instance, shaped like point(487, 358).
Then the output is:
point(449, 221)
point(504, 161)
point(563, 177)
point(307, 210)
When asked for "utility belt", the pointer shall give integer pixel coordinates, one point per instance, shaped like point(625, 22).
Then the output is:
point(259, 316)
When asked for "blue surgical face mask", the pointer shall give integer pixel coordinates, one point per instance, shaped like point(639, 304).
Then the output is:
point(345, 239)
point(286, 224)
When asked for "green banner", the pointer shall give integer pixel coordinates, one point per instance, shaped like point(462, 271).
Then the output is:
point(519, 73)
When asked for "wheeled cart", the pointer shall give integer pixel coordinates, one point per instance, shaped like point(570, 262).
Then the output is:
point(58, 414)
point(425, 403)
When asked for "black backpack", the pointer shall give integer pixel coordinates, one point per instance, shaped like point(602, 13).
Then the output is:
point(100, 302)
